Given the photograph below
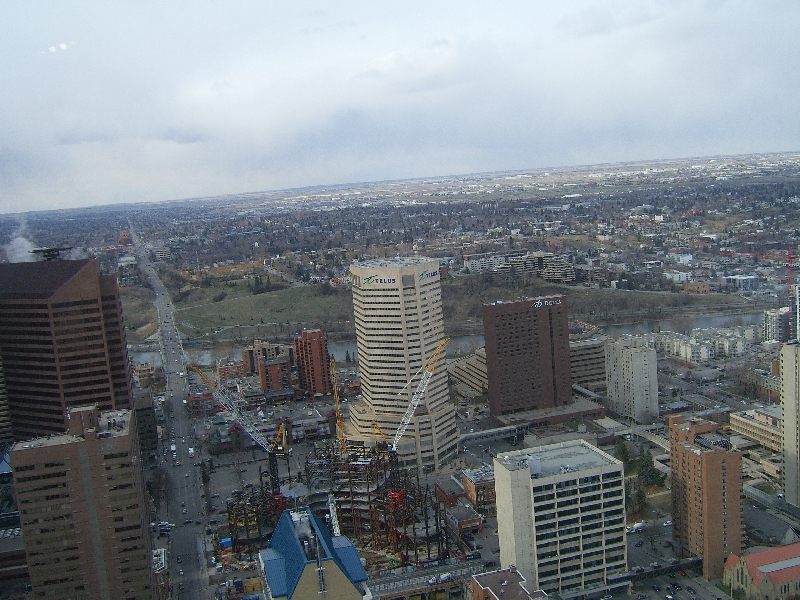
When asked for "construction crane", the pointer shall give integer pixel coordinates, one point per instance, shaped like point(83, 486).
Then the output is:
point(226, 400)
point(277, 449)
point(788, 257)
point(427, 369)
point(338, 408)
point(381, 443)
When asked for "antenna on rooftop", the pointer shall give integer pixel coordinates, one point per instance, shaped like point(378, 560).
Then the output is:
point(49, 254)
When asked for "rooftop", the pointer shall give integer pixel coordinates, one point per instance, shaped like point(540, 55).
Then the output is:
point(398, 261)
point(38, 280)
point(556, 459)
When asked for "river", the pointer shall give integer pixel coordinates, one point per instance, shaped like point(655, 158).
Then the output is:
point(465, 344)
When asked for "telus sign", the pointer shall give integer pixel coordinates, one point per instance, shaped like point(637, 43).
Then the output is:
point(428, 275)
point(370, 279)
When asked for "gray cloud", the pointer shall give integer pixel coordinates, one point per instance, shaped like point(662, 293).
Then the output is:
point(153, 102)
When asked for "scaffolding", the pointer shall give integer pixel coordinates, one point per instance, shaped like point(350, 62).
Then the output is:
point(397, 518)
point(252, 516)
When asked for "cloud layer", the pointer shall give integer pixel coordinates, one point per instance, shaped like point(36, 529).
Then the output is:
point(113, 102)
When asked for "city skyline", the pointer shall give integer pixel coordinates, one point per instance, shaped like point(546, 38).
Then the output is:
point(117, 105)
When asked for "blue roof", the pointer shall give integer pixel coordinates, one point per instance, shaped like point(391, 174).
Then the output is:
point(285, 560)
point(5, 464)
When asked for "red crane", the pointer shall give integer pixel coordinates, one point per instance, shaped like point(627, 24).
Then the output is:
point(789, 267)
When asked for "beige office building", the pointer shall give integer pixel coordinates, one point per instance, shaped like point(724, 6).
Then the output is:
point(82, 508)
point(399, 324)
point(790, 403)
point(561, 518)
point(762, 425)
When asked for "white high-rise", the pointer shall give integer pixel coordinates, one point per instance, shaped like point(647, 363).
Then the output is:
point(399, 324)
point(561, 518)
point(632, 379)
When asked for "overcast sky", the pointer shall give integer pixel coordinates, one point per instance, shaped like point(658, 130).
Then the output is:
point(146, 101)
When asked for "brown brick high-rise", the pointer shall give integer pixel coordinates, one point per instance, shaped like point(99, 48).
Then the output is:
point(62, 343)
point(706, 493)
point(527, 354)
point(313, 363)
point(82, 508)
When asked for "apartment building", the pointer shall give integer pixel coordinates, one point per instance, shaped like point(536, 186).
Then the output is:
point(706, 489)
point(398, 316)
point(313, 362)
point(82, 508)
point(790, 406)
point(561, 518)
point(632, 379)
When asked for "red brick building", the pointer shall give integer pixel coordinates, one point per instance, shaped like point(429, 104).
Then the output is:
point(313, 362)
point(706, 493)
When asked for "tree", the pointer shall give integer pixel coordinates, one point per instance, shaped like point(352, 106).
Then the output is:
point(622, 453)
point(647, 472)
point(641, 500)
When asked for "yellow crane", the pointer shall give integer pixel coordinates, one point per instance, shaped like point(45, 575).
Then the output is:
point(381, 443)
point(338, 408)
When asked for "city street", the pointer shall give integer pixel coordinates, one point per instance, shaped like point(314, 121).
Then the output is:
point(185, 509)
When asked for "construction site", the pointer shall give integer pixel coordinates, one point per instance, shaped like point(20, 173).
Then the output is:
point(359, 490)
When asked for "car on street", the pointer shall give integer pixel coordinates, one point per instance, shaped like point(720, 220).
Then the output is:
point(180, 559)
point(656, 588)
point(639, 543)
point(181, 586)
point(180, 571)
point(668, 524)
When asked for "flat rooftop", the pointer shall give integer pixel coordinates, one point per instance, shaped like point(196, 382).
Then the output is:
point(399, 261)
point(556, 459)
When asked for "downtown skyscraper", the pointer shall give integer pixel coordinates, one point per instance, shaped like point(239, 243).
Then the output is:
point(399, 324)
point(62, 343)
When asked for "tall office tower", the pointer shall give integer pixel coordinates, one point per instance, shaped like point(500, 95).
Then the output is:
point(790, 405)
point(527, 354)
point(6, 436)
point(632, 379)
point(561, 517)
point(399, 324)
point(82, 508)
point(706, 493)
point(776, 324)
point(62, 343)
point(313, 362)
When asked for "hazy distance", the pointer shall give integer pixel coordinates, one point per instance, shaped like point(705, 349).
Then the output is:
point(128, 102)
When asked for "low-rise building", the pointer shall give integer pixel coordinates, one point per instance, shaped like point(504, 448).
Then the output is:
point(771, 574)
point(762, 425)
point(304, 560)
point(479, 488)
point(504, 584)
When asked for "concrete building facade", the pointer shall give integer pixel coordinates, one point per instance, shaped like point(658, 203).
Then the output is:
point(527, 354)
point(762, 425)
point(587, 357)
point(706, 484)
point(399, 324)
point(561, 518)
point(62, 343)
point(790, 405)
point(776, 324)
point(313, 362)
point(632, 379)
point(82, 509)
